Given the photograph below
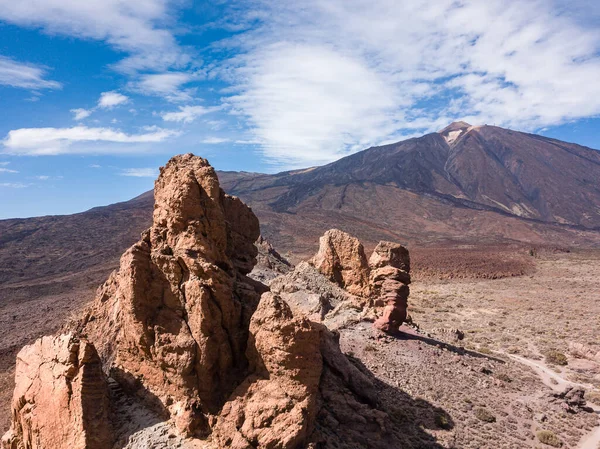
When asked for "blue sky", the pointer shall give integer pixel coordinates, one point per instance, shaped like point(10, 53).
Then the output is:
point(96, 95)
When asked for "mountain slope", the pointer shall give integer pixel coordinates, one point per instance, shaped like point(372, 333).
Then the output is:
point(483, 167)
point(465, 184)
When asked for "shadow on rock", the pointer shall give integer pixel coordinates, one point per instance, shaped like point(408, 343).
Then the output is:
point(133, 407)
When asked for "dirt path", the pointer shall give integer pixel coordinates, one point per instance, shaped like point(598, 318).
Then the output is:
point(558, 383)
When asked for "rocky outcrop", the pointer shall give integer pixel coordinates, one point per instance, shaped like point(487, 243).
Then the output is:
point(172, 322)
point(276, 406)
point(303, 391)
point(310, 293)
point(390, 276)
point(382, 282)
point(270, 264)
point(341, 258)
point(582, 351)
point(192, 350)
point(61, 397)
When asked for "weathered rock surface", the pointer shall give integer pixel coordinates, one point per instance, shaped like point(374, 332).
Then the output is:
point(310, 293)
point(172, 322)
point(303, 390)
point(390, 276)
point(61, 397)
point(276, 405)
point(341, 258)
point(582, 351)
point(270, 264)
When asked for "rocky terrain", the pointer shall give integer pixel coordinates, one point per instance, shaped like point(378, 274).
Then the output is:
point(184, 346)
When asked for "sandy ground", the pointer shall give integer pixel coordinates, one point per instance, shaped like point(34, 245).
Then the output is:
point(521, 320)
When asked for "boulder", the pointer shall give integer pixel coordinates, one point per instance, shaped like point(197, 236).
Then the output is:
point(341, 258)
point(60, 398)
point(582, 351)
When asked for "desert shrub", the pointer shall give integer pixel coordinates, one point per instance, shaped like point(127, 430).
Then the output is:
point(504, 377)
point(548, 437)
point(556, 357)
point(484, 415)
point(593, 396)
point(485, 350)
point(442, 422)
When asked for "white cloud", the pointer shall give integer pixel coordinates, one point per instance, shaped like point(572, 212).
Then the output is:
point(138, 28)
point(53, 141)
point(14, 185)
point(167, 85)
point(95, 166)
point(23, 75)
point(187, 114)
point(109, 100)
point(140, 172)
point(42, 177)
point(7, 170)
point(4, 163)
point(214, 140)
point(319, 79)
point(80, 113)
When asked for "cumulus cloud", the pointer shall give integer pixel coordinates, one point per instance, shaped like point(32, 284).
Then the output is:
point(23, 75)
point(111, 99)
point(107, 100)
point(187, 114)
point(140, 172)
point(319, 79)
point(80, 113)
point(138, 28)
point(53, 141)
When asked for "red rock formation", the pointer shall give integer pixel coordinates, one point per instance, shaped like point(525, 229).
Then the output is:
point(276, 406)
point(390, 276)
point(180, 325)
point(342, 259)
point(61, 397)
point(173, 321)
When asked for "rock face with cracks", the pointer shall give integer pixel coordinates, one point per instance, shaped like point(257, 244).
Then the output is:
point(342, 259)
point(390, 276)
point(276, 406)
point(61, 397)
point(172, 322)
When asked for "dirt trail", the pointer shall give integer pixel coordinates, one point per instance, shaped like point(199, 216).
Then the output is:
point(558, 383)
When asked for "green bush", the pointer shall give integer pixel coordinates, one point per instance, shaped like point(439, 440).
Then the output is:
point(556, 357)
point(549, 438)
point(442, 422)
point(484, 415)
